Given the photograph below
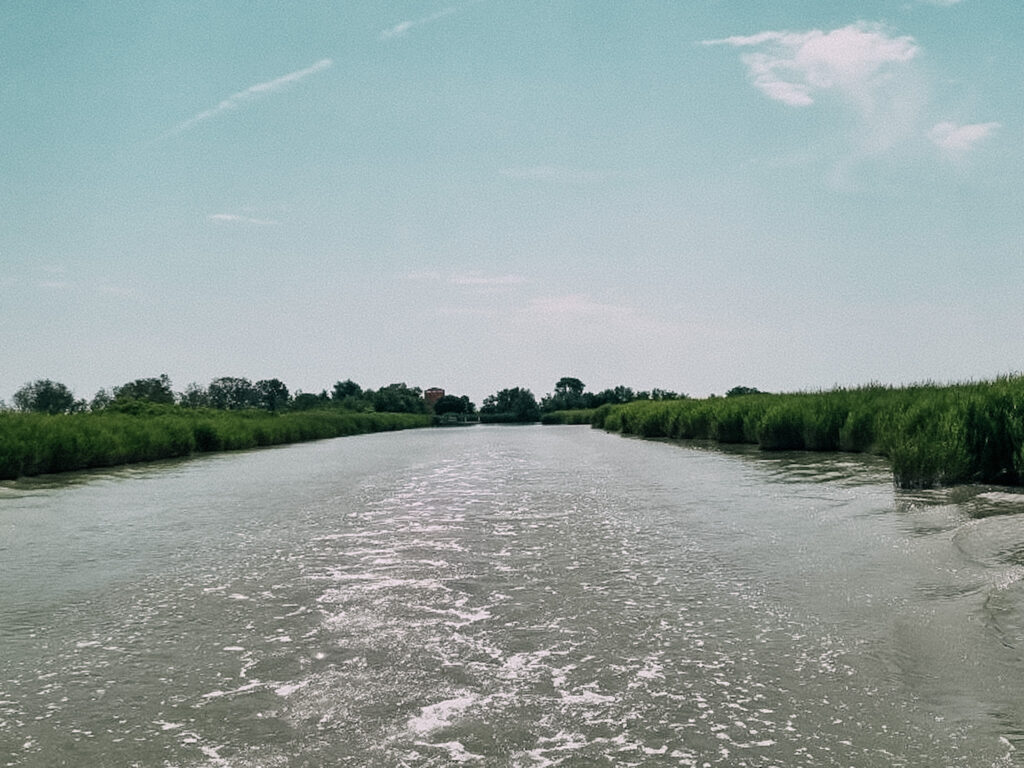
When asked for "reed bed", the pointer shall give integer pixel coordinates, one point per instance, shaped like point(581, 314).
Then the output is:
point(932, 434)
point(34, 444)
point(574, 416)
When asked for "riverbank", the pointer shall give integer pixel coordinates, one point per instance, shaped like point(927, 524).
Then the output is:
point(35, 444)
point(933, 435)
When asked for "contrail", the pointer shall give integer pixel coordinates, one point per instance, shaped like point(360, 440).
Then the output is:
point(249, 94)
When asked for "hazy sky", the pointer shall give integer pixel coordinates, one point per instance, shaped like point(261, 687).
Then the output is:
point(688, 194)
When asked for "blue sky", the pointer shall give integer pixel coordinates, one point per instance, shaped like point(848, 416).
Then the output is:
point(478, 195)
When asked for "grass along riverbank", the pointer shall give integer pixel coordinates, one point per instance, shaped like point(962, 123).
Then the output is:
point(34, 444)
point(932, 434)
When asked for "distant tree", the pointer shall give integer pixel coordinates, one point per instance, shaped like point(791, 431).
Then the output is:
point(347, 388)
point(570, 386)
point(103, 398)
point(46, 396)
point(232, 394)
point(154, 390)
point(666, 394)
point(516, 404)
point(616, 396)
point(739, 391)
point(271, 394)
point(454, 404)
point(399, 398)
point(351, 397)
point(306, 401)
point(195, 396)
point(568, 395)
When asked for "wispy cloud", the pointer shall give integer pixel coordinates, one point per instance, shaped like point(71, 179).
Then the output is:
point(794, 67)
point(470, 279)
point(574, 313)
point(402, 28)
point(554, 173)
point(235, 219)
point(251, 93)
point(487, 280)
point(958, 139)
point(578, 306)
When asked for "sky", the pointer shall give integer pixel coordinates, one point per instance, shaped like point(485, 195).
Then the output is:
point(683, 194)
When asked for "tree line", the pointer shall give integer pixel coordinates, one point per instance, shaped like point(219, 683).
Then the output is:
point(231, 393)
point(519, 404)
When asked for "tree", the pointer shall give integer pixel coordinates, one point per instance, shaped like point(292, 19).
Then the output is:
point(102, 399)
point(453, 404)
point(195, 396)
point(46, 396)
point(568, 395)
point(352, 397)
point(232, 394)
point(347, 388)
point(569, 385)
point(666, 394)
point(307, 401)
point(619, 394)
point(271, 394)
point(398, 398)
point(154, 390)
point(740, 391)
point(516, 404)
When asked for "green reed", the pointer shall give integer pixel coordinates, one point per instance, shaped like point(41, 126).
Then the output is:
point(932, 434)
point(33, 444)
point(574, 416)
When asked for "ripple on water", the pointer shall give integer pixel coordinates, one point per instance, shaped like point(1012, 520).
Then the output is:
point(496, 609)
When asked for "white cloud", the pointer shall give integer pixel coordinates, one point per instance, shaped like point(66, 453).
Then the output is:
point(402, 28)
point(233, 218)
point(251, 93)
point(795, 67)
point(958, 139)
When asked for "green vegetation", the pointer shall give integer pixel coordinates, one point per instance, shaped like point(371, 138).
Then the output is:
point(932, 434)
point(575, 416)
point(145, 420)
point(570, 403)
point(510, 406)
point(570, 395)
point(38, 443)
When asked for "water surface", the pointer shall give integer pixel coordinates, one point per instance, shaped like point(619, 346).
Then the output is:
point(502, 596)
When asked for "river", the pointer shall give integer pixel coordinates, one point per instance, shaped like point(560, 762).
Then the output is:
point(509, 596)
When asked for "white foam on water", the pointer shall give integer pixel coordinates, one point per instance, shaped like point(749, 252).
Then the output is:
point(242, 689)
point(587, 698)
point(442, 714)
point(290, 688)
point(457, 752)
